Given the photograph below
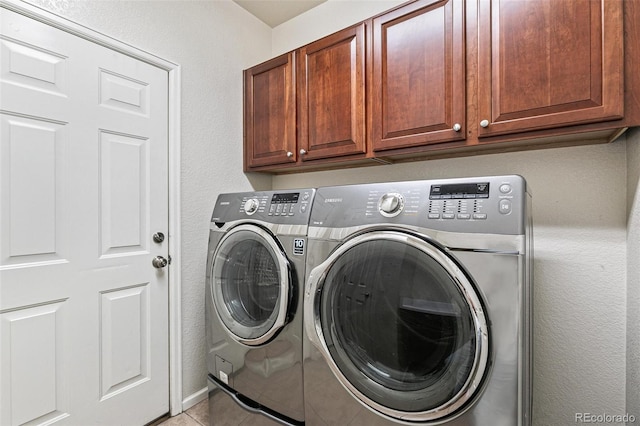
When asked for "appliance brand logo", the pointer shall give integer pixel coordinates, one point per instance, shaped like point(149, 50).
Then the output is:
point(224, 203)
point(333, 200)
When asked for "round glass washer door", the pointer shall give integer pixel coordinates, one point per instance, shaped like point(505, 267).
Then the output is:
point(250, 284)
point(400, 325)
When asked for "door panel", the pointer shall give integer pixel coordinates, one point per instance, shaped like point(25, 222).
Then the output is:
point(124, 193)
point(418, 84)
point(32, 180)
point(270, 113)
point(125, 339)
point(35, 330)
point(524, 48)
point(84, 185)
point(331, 89)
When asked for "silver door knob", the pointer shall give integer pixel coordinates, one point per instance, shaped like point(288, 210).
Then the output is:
point(158, 237)
point(159, 262)
point(303, 152)
point(484, 123)
point(457, 127)
point(289, 154)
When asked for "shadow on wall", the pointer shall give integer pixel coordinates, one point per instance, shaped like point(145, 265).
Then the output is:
point(633, 170)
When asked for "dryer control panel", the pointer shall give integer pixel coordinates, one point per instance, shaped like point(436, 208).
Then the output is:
point(494, 204)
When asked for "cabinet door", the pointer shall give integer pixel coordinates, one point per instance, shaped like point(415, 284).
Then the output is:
point(548, 63)
point(331, 90)
point(418, 83)
point(269, 113)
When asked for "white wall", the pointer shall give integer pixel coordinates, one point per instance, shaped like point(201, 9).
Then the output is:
point(580, 210)
point(633, 273)
point(213, 41)
point(325, 19)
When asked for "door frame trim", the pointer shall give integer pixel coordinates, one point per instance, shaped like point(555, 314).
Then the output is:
point(174, 73)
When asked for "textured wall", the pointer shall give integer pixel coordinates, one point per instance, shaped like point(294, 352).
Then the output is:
point(322, 20)
point(213, 41)
point(633, 273)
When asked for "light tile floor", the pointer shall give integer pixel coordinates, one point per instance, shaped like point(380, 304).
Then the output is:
point(198, 415)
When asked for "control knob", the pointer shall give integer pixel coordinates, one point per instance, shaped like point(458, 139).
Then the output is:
point(251, 206)
point(391, 204)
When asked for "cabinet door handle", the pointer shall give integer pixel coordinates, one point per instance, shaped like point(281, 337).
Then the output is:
point(303, 152)
point(457, 127)
point(289, 154)
point(484, 123)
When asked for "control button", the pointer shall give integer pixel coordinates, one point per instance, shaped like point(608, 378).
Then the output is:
point(464, 216)
point(434, 216)
point(505, 206)
point(391, 204)
point(306, 196)
point(303, 208)
point(505, 188)
point(251, 206)
point(448, 216)
point(480, 216)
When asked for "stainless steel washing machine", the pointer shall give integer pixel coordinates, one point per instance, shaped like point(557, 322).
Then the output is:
point(417, 305)
point(254, 286)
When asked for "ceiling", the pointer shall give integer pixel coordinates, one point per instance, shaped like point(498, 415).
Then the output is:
point(275, 12)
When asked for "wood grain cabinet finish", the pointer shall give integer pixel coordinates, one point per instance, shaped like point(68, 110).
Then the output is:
point(331, 94)
point(269, 113)
point(548, 63)
point(438, 78)
point(418, 84)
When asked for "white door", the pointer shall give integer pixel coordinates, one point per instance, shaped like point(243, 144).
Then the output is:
point(83, 188)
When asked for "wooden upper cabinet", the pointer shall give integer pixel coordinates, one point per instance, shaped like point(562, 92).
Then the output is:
point(331, 89)
point(548, 63)
point(418, 83)
point(269, 113)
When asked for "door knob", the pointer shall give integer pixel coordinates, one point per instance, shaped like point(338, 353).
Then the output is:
point(159, 262)
point(158, 237)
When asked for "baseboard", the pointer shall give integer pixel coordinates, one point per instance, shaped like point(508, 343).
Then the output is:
point(194, 398)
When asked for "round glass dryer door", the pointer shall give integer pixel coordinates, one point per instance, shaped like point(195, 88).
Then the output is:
point(250, 284)
point(400, 325)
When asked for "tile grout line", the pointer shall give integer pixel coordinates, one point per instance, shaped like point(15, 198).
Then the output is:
point(194, 419)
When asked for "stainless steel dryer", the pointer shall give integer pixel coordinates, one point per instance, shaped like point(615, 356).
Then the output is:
point(255, 274)
point(417, 304)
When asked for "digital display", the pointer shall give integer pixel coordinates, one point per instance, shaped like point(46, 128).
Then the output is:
point(288, 198)
point(460, 190)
